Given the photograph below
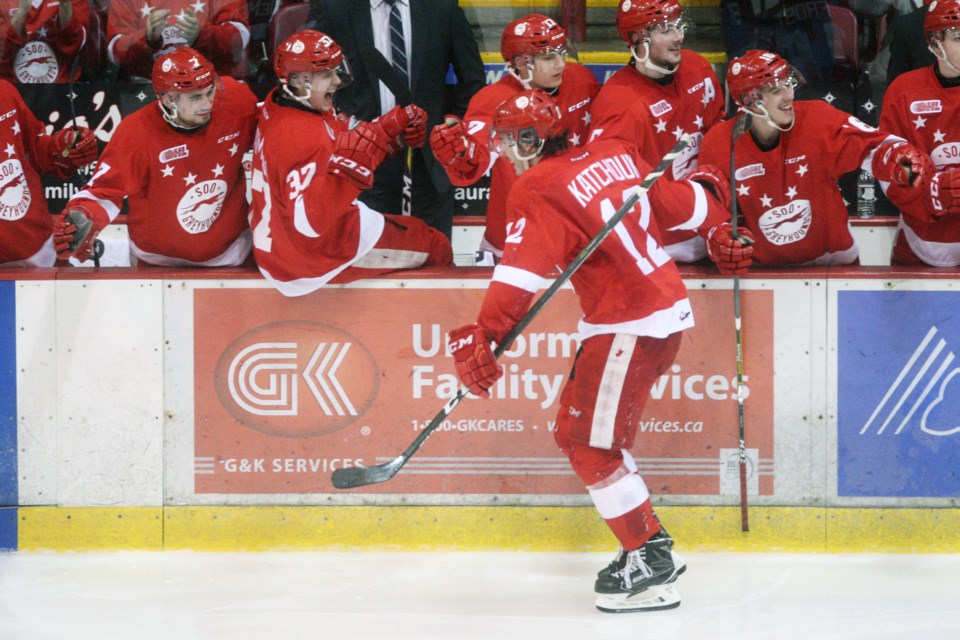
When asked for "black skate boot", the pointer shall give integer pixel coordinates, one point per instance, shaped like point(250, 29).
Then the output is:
point(644, 582)
point(617, 563)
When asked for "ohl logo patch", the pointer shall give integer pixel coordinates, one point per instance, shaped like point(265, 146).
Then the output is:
point(296, 379)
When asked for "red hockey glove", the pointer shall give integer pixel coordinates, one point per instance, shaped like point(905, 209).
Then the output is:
point(407, 123)
point(452, 147)
point(732, 257)
point(358, 152)
point(901, 163)
point(944, 194)
point(716, 183)
point(73, 156)
point(477, 367)
point(75, 230)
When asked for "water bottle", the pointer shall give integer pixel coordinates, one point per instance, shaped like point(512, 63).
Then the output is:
point(866, 195)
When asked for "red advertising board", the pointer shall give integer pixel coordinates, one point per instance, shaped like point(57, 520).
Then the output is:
point(289, 389)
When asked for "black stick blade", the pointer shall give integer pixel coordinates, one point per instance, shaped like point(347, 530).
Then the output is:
point(353, 477)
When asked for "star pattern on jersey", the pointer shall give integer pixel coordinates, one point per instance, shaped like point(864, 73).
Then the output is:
point(766, 200)
point(183, 14)
point(167, 171)
point(147, 10)
point(218, 170)
point(198, 6)
point(575, 140)
point(938, 136)
point(698, 121)
point(16, 127)
point(10, 150)
point(586, 118)
point(802, 170)
point(661, 126)
point(42, 32)
point(920, 122)
point(678, 132)
point(190, 179)
point(743, 189)
point(233, 150)
point(792, 193)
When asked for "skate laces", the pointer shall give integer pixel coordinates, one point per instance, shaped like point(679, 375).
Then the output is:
point(636, 562)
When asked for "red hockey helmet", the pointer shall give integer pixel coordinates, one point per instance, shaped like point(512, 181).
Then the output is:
point(941, 16)
point(182, 70)
point(639, 16)
point(529, 118)
point(756, 70)
point(308, 51)
point(533, 34)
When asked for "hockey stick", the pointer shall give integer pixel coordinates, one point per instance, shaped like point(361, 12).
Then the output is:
point(352, 477)
point(406, 206)
point(739, 128)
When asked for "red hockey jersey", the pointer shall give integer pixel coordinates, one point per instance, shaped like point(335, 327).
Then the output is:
point(44, 52)
point(629, 285)
point(224, 33)
point(25, 222)
point(788, 196)
point(918, 108)
point(637, 109)
point(577, 91)
point(307, 227)
point(186, 190)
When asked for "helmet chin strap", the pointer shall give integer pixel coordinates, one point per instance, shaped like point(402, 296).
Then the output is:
point(172, 117)
point(765, 116)
point(304, 99)
point(516, 74)
point(940, 54)
point(645, 59)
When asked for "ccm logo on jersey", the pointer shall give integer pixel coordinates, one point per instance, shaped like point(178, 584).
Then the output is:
point(174, 153)
point(582, 103)
point(233, 135)
point(660, 108)
point(750, 171)
point(8, 114)
point(926, 106)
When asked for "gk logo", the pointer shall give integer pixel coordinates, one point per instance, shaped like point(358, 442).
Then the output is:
point(263, 379)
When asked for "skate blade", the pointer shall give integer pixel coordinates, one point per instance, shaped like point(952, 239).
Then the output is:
point(656, 598)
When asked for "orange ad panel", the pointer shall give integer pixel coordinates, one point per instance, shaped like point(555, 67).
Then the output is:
point(289, 389)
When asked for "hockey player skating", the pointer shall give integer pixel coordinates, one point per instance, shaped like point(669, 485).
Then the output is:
point(178, 162)
point(25, 221)
point(789, 163)
point(535, 49)
point(635, 308)
point(923, 106)
point(309, 165)
point(664, 92)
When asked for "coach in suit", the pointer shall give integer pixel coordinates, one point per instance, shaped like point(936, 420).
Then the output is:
point(436, 37)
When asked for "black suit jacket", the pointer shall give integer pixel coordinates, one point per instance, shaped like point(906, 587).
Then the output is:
point(441, 38)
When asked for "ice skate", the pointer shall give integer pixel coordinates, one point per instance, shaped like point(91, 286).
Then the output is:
point(641, 580)
point(618, 561)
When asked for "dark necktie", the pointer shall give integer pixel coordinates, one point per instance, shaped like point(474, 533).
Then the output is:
point(398, 48)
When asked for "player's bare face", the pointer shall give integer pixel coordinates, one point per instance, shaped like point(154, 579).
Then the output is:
point(666, 41)
point(547, 70)
point(778, 101)
point(323, 85)
point(951, 47)
point(194, 109)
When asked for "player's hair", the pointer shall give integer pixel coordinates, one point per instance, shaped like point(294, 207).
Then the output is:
point(555, 144)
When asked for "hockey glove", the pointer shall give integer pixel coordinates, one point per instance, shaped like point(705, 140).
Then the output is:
point(452, 147)
point(715, 182)
point(358, 152)
point(902, 164)
point(404, 123)
point(73, 149)
point(732, 257)
point(477, 366)
point(75, 230)
point(944, 194)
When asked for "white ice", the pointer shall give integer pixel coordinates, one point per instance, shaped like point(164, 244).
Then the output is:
point(489, 596)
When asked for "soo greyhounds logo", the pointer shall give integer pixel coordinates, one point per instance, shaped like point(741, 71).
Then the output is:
point(296, 379)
